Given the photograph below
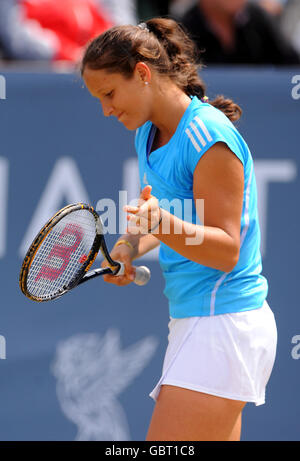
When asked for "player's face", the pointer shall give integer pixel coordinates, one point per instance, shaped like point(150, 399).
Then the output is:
point(126, 99)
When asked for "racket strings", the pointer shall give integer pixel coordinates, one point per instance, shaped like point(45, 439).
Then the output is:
point(61, 254)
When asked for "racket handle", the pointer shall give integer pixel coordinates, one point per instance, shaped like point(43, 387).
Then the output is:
point(142, 274)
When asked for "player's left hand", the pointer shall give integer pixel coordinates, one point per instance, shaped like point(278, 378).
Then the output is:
point(146, 216)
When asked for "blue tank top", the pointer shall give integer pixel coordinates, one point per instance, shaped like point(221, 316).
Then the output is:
point(193, 289)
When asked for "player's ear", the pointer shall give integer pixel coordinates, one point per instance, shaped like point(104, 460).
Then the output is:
point(143, 72)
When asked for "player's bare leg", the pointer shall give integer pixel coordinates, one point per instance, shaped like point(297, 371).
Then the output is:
point(183, 414)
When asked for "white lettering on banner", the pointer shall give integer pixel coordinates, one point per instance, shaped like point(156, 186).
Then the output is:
point(91, 372)
point(2, 87)
point(3, 203)
point(267, 171)
point(296, 88)
point(2, 348)
point(65, 183)
point(295, 353)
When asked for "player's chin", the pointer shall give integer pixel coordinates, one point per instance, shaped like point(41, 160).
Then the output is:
point(133, 124)
point(130, 125)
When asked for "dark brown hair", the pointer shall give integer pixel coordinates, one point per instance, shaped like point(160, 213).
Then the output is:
point(162, 43)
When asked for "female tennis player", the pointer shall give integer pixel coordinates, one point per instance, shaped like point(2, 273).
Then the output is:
point(222, 333)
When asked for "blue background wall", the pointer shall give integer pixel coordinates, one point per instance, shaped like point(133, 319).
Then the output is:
point(50, 128)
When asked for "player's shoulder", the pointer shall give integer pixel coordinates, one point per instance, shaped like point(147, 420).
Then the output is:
point(208, 114)
point(204, 125)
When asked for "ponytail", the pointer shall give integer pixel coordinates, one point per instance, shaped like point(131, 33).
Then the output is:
point(229, 107)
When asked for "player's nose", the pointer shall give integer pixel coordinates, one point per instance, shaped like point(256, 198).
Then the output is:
point(107, 110)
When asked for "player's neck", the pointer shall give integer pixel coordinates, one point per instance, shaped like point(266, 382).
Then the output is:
point(169, 111)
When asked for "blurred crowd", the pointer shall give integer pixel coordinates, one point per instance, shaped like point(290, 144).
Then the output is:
point(226, 31)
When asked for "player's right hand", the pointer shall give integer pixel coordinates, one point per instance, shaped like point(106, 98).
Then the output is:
point(121, 253)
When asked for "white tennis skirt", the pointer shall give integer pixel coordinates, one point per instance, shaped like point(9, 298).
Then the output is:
point(227, 355)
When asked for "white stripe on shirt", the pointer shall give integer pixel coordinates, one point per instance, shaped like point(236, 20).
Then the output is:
point(203, 127)
point(194, 142)
point(247, 219)
point(197, 133)
point(214, 293)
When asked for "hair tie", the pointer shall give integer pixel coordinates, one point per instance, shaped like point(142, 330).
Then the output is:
point(143, 26)
point(205, 99)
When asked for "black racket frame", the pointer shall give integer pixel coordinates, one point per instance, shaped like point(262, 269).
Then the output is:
point(82, 275)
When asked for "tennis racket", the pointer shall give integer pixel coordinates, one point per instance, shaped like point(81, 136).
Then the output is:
point(61, 255)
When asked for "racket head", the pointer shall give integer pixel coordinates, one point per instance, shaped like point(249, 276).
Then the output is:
point(61, 253)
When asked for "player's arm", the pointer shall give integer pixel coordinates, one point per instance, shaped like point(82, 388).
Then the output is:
point(219, 181)
point(141, 244)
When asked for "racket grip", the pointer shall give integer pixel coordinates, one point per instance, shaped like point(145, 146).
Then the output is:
point(142, 274)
